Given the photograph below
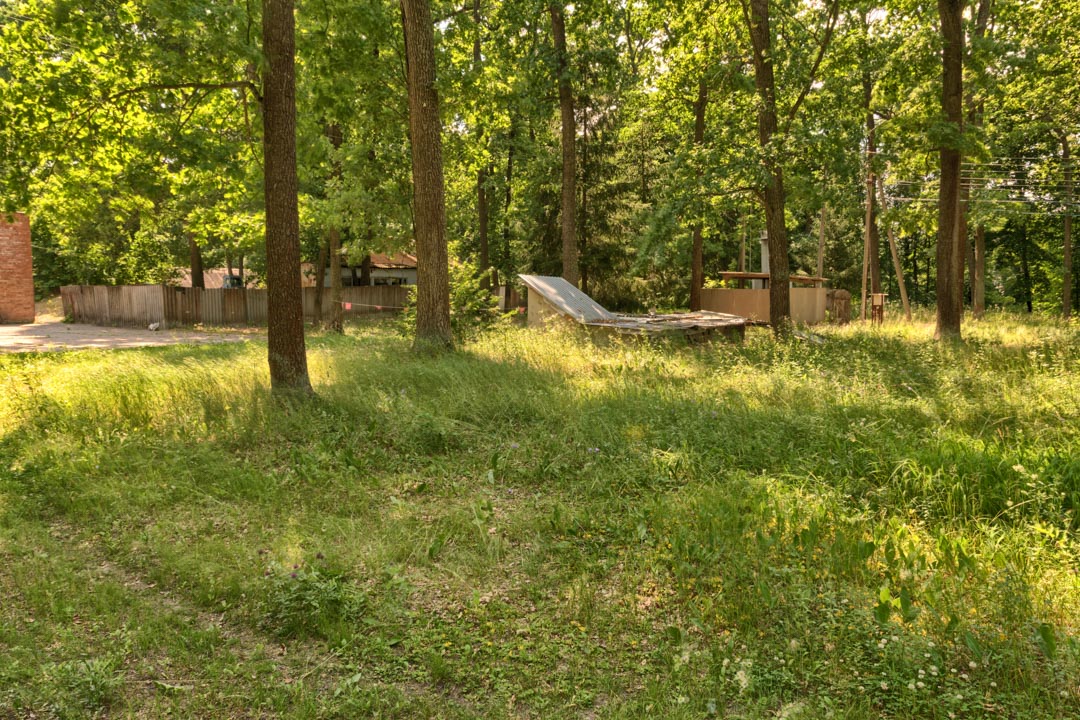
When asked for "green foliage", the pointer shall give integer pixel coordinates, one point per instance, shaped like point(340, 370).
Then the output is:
point(309, 598)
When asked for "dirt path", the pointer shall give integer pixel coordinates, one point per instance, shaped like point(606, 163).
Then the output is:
point(53, 336)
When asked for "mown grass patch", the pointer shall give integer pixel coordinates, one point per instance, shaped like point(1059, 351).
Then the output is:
point(534, 526)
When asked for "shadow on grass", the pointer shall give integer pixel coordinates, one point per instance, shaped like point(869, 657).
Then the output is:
point(663, 493)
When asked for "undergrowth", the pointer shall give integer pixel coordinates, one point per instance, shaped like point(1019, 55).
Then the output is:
point(866, 524)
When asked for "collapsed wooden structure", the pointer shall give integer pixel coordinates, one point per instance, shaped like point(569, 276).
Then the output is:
point(553, 298)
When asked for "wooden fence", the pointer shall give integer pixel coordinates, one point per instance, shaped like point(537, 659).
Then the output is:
point(143, 305)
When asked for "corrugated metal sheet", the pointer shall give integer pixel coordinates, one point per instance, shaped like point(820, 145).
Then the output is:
point(567, 299)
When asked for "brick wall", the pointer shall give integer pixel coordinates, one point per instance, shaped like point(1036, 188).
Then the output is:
point(16, 270)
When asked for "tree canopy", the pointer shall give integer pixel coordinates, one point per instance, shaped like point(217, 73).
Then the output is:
point(629, 145)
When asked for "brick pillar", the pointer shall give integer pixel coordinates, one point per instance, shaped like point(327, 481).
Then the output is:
point(16, 270)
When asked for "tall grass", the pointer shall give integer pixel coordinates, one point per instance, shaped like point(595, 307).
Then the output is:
point(870, 525)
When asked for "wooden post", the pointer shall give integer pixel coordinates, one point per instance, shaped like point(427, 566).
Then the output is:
point(895, 258)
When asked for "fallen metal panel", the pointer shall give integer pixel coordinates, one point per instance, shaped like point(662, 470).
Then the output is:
point(567, 299)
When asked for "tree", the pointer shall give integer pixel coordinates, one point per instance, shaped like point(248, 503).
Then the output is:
point(950, 255)
point(432, 281)
point(772, 138)
point(697, 263)
point(285, 310)
point(569, 150)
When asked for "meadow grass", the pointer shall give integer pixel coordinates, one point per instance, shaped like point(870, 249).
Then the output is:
point(867, 524)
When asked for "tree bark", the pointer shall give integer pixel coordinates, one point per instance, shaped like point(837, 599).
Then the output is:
point(333, 239)
point(978, 278)
point(198, 278)
point(337, 309)
point(975, 252)
point(481, 174)
point(697, 252)
point(873, 233)
point(1066, 265)
point(365, 271)
point(285, 310)
point(898, 267)
point(432, 282)
point(950, 256)
point(569, 156)
point(773, 194)
point(583, 263)
point(508, 198)
point(1025, 267)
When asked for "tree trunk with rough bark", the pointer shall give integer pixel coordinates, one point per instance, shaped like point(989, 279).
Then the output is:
point(697, 252)
point(365, 271)
point(285, 309)
point(337, 309)
point(507, 199)
point(569, 155)
point(333, 239)
point(950, 255)
point(975, 252)
point(873, 233)
point(773, 194)
point(482, 173)
point(978, 277)
point(429, 201)
point(1067, 266)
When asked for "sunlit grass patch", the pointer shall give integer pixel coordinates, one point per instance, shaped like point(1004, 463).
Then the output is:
point(871, 525)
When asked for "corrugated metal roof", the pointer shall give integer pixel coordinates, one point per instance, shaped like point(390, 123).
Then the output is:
point(567, 299)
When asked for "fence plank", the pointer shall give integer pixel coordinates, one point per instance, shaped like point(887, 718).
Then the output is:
point(141, 305)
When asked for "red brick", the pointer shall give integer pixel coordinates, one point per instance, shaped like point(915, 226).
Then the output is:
point(16, 270)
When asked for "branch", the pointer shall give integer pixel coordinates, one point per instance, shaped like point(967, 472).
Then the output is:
point(834, 13)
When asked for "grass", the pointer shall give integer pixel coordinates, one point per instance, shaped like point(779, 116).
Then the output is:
point(873, 526)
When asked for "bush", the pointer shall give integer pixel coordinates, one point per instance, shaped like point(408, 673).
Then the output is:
point(309, 600)
point(473, 308)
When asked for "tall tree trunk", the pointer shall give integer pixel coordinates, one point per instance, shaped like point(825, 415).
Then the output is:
point(481, 173)
point(506, 257)
point(482, 221)
point(432, 281)
point(1066, 265)
point(569, 156)
point(285, 309)
point(198, 278)
point(364, 280)
point(898, 267)
point(773, 194)
point(1025, 267)
point(583, 263)
point(697, 252)
point(337, 307)
point(240, 270)
point(950, 256)
point(873, 235)
point(320, 282)
point(333, 239)
point(978, 277)
point(976, 251)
